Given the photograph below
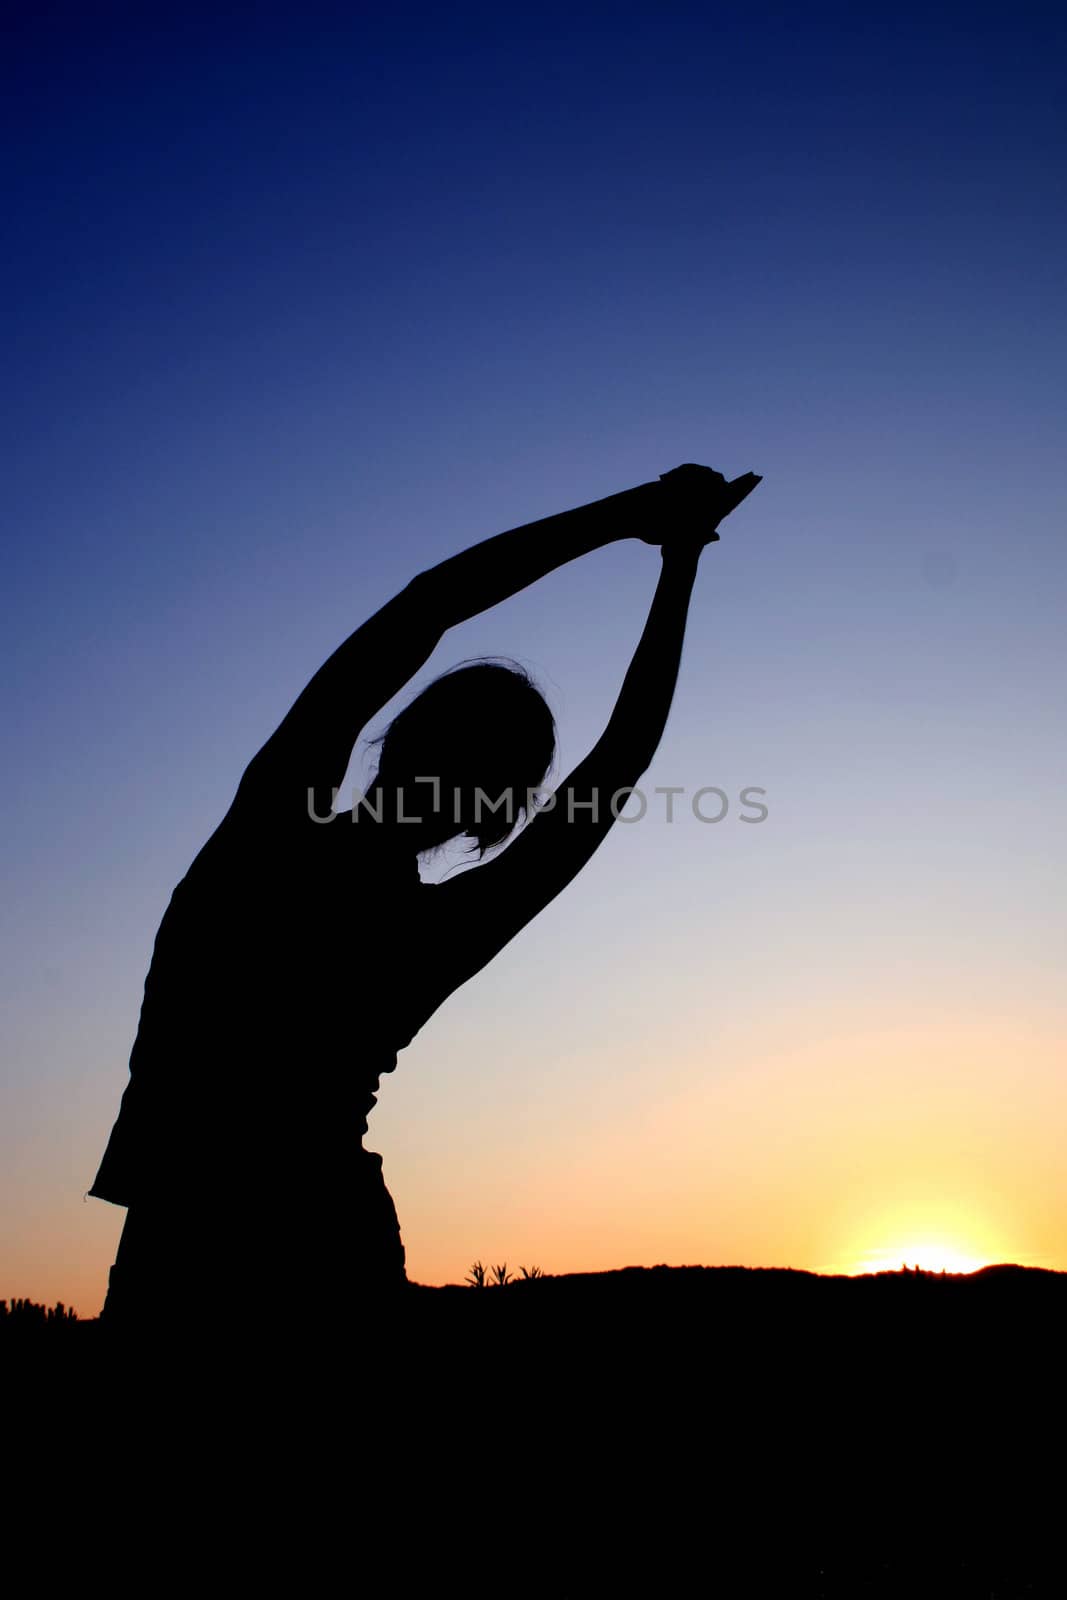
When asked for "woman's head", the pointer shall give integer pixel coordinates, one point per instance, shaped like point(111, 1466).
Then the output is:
point(468, 750)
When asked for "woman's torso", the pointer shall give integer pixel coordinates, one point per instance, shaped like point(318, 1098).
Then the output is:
point(288, 971)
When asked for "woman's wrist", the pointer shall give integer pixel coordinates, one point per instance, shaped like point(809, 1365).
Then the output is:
point(682, 552)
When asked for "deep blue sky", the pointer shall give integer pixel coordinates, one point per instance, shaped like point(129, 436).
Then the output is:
point(299, 300)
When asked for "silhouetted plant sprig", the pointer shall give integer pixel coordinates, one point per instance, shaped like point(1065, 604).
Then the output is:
point(481, 1277)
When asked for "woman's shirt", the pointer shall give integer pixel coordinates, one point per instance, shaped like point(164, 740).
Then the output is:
point(290, 967)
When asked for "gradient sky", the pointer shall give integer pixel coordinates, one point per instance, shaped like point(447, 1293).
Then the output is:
point(301, 300)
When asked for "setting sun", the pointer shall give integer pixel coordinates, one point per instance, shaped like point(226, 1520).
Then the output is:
point(929, 1255)
point(935, 1234)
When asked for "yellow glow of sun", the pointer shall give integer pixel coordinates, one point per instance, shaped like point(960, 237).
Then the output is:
point(930, 1255)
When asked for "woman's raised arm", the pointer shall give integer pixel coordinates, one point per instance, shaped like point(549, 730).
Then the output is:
point(481, 910)
point(311, 748)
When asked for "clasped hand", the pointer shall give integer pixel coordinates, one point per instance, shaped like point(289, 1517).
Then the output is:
point(692, 504)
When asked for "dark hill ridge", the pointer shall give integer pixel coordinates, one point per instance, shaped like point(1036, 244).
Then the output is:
point(657, 1296)
point(979, 1347)
point(658, 1293)
point(618, 1432)
point(662, 1279)
point(880, 1407)
point(786, 1336)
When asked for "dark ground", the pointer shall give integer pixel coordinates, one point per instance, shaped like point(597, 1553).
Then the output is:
point(652, 1430)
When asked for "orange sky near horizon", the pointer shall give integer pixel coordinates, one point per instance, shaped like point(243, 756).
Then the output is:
point(857, 1152)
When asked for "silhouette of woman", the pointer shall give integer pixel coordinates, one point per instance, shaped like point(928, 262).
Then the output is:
point(301, 951)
